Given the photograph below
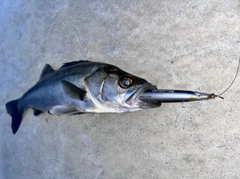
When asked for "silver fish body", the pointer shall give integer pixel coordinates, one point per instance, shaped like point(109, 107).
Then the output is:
point(80, 87)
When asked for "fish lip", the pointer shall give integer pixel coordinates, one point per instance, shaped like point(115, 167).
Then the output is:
point(134, 97)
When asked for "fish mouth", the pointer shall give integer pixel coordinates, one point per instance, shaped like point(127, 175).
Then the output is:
point(134, 100)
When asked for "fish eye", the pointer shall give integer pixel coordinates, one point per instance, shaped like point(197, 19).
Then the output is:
point(125, 82)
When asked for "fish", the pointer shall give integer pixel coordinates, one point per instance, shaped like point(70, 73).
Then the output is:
point(80, 87)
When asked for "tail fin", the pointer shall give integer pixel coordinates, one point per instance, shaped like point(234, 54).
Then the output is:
point(13, 111)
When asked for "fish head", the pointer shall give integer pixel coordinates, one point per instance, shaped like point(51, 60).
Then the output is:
point(114, 90)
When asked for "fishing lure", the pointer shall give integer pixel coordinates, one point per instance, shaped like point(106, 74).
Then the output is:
point(173, 96)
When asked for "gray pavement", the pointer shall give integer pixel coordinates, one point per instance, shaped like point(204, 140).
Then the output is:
point(193, 45)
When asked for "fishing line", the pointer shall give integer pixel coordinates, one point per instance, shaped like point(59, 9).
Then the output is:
point(231, 82)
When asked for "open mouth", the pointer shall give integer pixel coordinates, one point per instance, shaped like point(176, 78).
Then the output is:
point(133, 97)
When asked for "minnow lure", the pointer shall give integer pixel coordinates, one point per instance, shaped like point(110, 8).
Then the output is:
point(173, 96)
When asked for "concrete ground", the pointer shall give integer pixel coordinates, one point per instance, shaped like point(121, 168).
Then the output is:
point(191, 45)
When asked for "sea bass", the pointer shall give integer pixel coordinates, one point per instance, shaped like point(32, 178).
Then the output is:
point(80, 87)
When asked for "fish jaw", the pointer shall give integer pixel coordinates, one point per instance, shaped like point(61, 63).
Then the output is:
point(136, 103)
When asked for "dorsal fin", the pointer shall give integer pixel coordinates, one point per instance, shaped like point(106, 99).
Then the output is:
point(72, 63)
point(46, 70)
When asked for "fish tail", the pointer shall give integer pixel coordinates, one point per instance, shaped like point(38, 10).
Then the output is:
point(12, 109)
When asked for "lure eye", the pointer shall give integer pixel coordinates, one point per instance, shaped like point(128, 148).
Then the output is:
point(125, 82)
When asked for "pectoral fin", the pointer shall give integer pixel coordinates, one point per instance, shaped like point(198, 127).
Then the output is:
point(73, 91)
point(61, 109)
